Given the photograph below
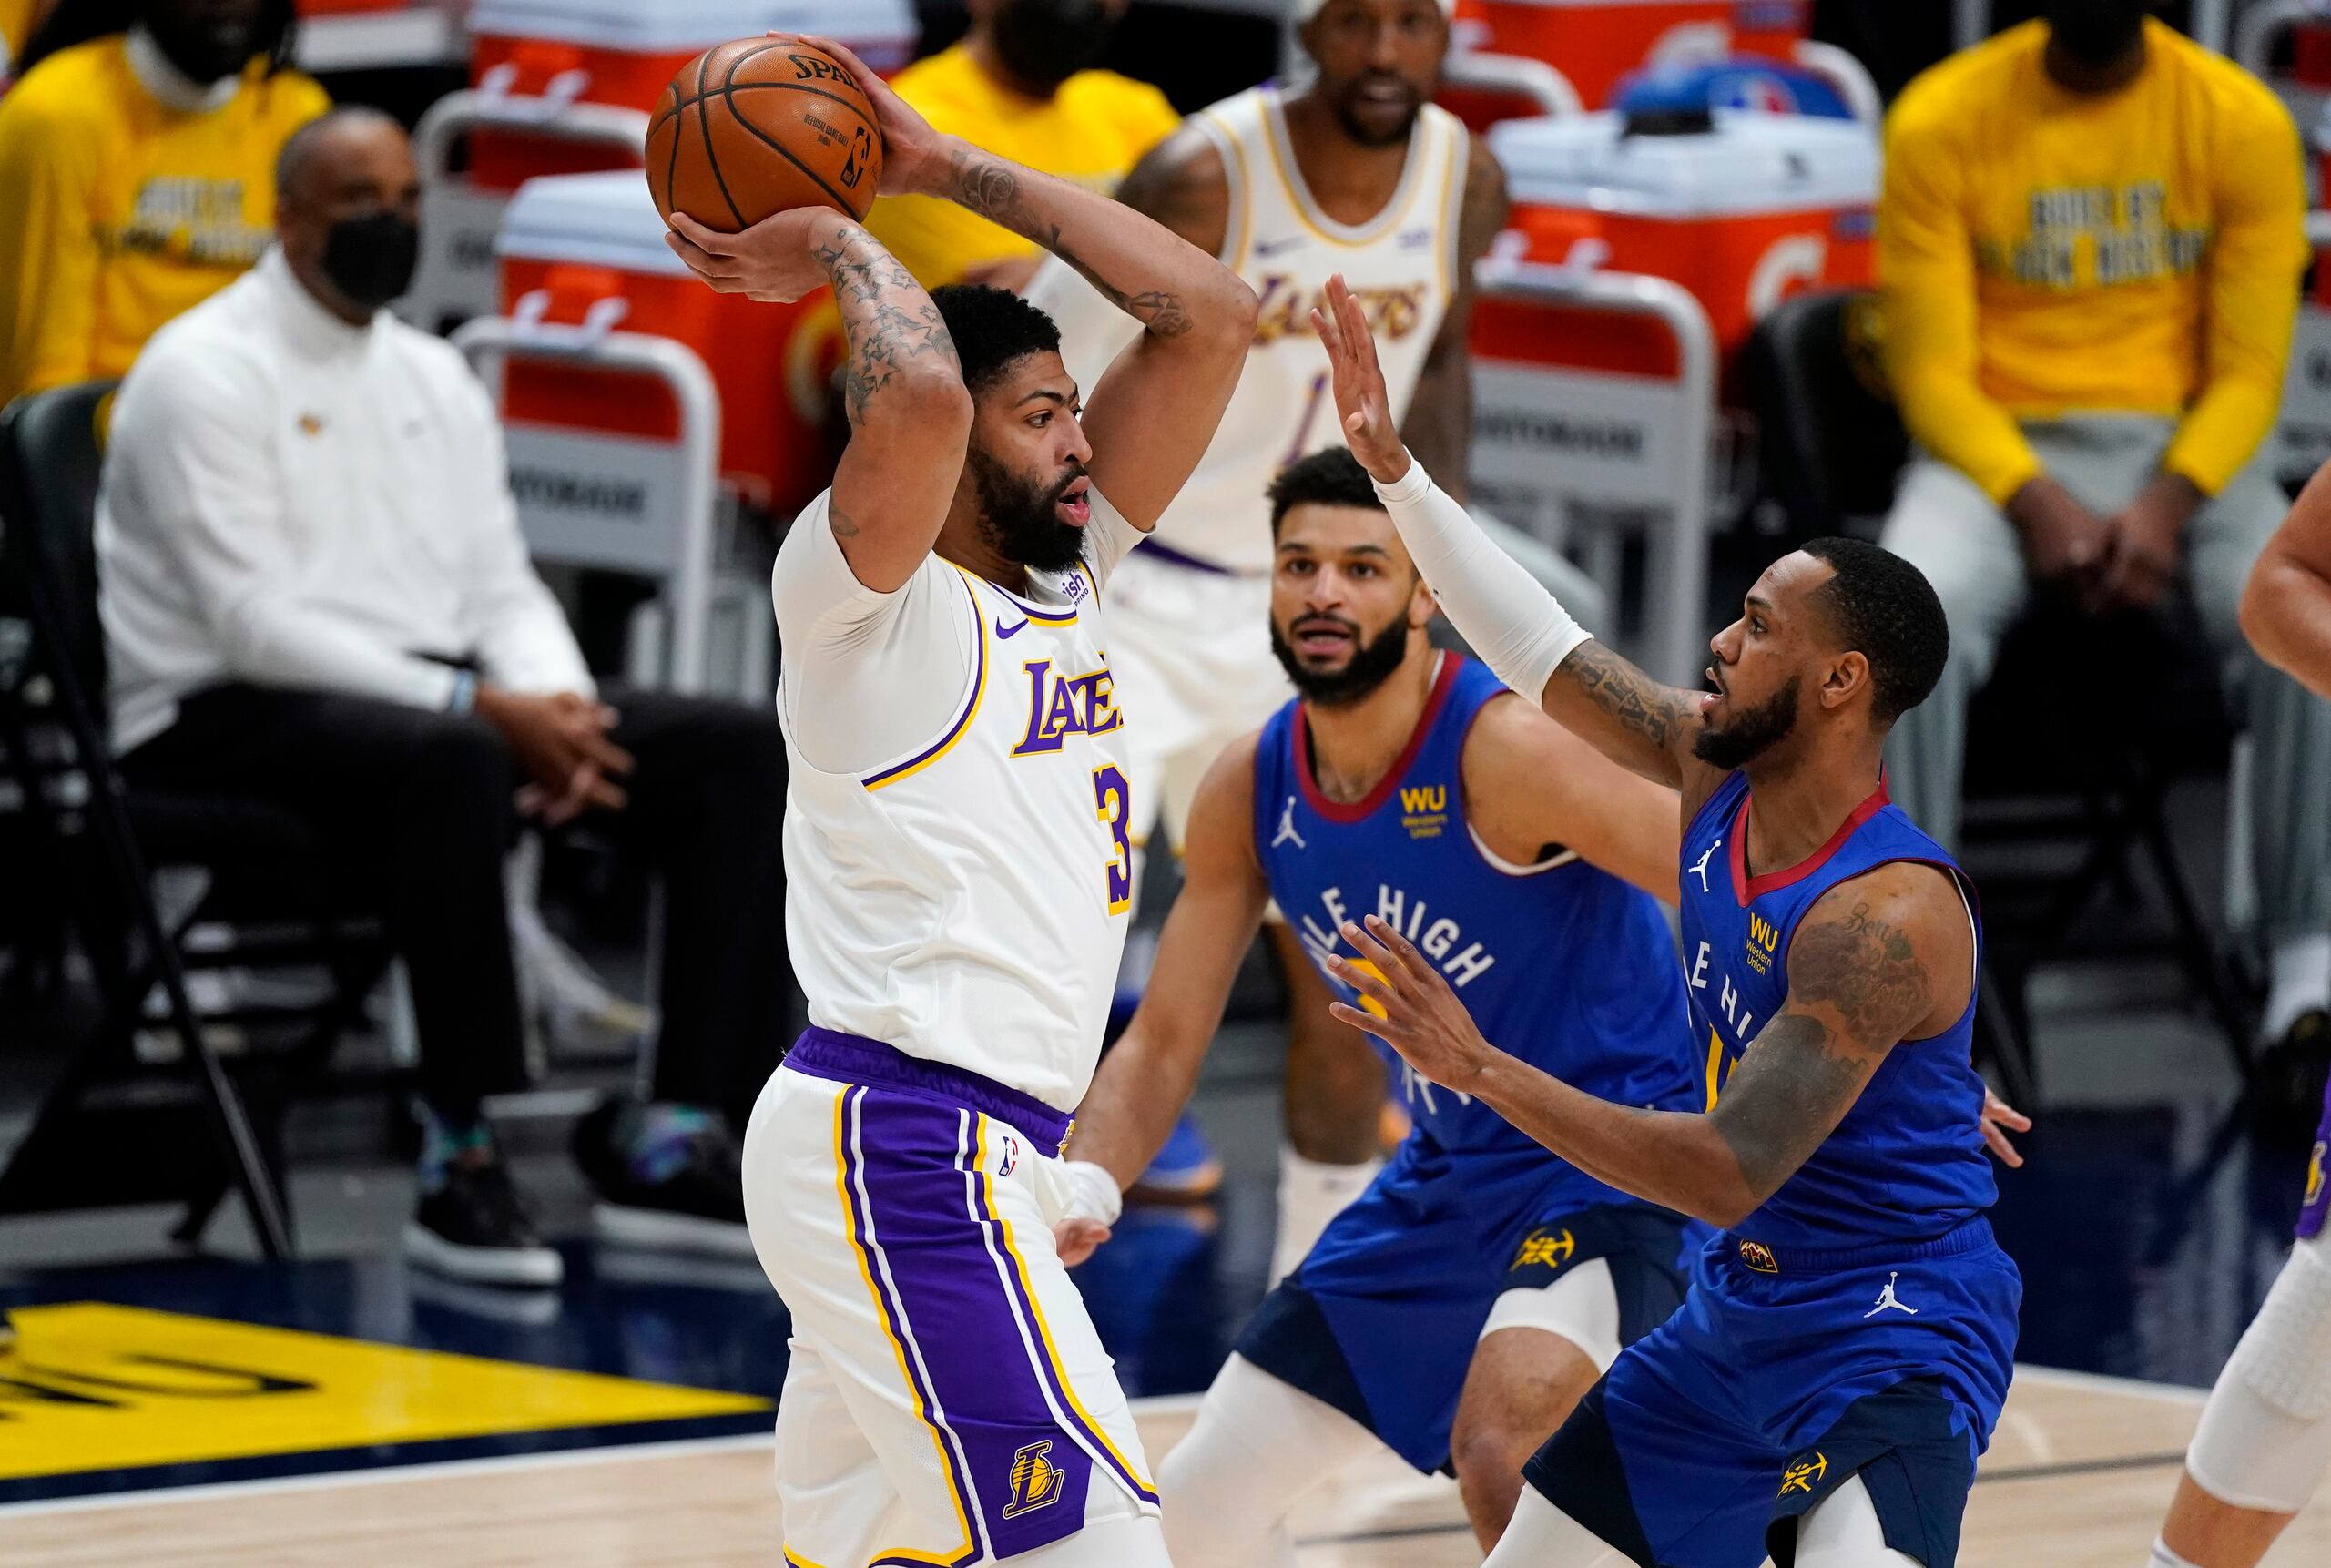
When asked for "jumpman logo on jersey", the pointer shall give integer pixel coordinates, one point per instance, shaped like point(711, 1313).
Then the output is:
point(1701, 871)
point(1886, 1298)
point(1287, 833)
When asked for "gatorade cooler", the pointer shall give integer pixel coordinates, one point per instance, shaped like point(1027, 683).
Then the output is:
point(1597, 41)
point(622, 53)
point(1742, 208)
point(585, 237)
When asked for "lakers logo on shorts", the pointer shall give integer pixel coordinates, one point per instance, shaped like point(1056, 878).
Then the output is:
point(1759, 1256)
point(2314, 1172)
point(1804, 1475)
point(1035, 1480)
point(1546, 1247)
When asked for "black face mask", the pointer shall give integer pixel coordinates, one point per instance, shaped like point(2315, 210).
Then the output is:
point(207, 51)
point(2095, 32)
point(370, 258)
point(1042, 43)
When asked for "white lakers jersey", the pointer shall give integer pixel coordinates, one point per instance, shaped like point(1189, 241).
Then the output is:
point(1402, 265)
point(966, 900)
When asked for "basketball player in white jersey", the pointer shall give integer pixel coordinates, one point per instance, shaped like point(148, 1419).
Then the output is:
point(1356, 172)
point(957, 843)
point(2265, 1439)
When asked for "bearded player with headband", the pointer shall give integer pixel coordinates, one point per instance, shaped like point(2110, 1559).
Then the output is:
point(1355, 172)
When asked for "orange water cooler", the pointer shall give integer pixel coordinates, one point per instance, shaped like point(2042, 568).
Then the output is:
point(1594, 43)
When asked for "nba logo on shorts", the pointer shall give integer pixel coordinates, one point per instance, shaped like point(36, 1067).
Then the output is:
point(1035, 1480)
point(1011, 1160)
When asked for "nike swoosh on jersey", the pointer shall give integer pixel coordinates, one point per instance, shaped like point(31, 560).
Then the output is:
point(1017, 629)
point(1273, 247)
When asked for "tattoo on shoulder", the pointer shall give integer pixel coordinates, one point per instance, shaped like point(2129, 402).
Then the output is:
point(1620, 690)
point(1864, 968)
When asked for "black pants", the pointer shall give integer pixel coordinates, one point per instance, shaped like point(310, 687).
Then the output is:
point(415, 807)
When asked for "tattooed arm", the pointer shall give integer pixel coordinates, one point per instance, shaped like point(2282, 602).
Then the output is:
point(910, 416)
point(1884, 958)
point(1500, 608)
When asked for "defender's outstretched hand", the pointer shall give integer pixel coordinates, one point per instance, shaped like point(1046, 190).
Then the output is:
point(1362, 403)
point(1422, 1019)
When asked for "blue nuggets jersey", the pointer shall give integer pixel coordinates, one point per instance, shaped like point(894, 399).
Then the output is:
point(1906, 1164)
point(1561, 964)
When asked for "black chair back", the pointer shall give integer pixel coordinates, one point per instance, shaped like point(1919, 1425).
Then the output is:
point(52, 452)
point(1833, 445)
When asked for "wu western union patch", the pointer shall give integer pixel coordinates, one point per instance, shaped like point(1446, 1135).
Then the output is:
point(96, 1387)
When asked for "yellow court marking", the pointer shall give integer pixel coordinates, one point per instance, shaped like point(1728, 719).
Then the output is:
point(96, 1387)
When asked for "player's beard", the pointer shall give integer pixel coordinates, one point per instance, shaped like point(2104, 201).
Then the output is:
point(1372, 662)
point(1344, 103)
point(1753, 732)
point(1017, 514)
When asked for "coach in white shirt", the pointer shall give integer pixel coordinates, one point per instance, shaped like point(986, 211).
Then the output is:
point(315, 593)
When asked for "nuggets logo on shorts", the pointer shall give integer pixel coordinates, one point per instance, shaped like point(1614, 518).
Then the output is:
point(1035, 1480)
point(1804, 1475)
point(1759, 1256)
point(1546, 1247)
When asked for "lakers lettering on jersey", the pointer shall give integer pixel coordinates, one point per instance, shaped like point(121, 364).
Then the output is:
point(1402, 264)
point(961, 891)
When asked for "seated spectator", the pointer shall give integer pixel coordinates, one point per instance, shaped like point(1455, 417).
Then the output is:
point(315, 594)
point(2089, 245)
point(137, 174)
point(1019, 83)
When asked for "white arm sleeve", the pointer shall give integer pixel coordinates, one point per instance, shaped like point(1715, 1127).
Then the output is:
point(1517, 627)
point(865, 676)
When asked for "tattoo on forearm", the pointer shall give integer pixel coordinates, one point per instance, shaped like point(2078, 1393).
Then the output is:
point(983, 184)
point(1788, 1091)
point(1642, 704)
point(887, 317)
point(1801, 1074)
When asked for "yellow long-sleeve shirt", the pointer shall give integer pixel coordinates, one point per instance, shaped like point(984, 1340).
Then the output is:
point(2043, 254)
point(1092, 131)
point(118, 213)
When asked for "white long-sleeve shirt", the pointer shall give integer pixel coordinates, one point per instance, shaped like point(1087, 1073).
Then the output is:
point(291, 501)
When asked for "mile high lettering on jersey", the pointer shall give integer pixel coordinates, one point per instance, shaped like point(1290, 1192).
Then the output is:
point(1436, 937)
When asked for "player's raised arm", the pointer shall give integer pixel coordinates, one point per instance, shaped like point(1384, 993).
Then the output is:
point(2286, 607)
point(1155, 411)
point(1517, 627)
point(1881, 959)
point(1147, 1075)
point(910, 415)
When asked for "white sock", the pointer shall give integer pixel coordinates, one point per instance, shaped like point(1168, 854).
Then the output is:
point(2162, 1557)
point(1311, 1193)
point(2300, 978)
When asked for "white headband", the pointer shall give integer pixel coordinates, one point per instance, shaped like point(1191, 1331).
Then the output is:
point(1307, 9)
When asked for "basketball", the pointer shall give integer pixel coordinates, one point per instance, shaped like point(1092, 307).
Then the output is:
point(750, 128)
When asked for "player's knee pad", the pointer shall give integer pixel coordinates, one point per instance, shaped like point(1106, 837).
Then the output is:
point(2284, 1355)
point(2264, 1439)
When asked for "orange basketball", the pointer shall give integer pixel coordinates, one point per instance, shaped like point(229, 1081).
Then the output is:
point(750, 128)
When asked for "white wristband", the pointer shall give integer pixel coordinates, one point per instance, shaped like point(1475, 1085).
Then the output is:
point(1520, 631)
point(1091, 1192)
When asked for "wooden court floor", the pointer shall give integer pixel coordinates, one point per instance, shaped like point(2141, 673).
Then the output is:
point(2078, 1478)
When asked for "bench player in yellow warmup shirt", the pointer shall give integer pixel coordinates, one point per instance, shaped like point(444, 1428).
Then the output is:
point(138, 178)
point(1019, 85)
point(2090, 244)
